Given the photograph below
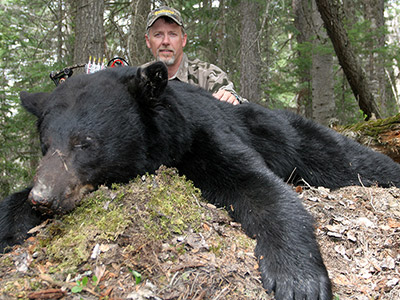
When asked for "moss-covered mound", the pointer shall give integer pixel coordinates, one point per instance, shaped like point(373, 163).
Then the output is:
point(151, 239)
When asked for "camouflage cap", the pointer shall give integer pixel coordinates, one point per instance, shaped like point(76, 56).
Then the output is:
point(164, 11)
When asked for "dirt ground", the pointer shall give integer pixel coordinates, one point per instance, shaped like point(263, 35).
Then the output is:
point(126, 246)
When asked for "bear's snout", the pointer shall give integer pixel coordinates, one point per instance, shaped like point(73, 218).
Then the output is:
point(57, 187)
point(40, 197)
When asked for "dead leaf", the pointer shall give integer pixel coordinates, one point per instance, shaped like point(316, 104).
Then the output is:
point(47, 294)
point(341, 280)
point(393, 223)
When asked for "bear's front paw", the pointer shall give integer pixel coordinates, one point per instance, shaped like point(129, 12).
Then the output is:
point(295, 281)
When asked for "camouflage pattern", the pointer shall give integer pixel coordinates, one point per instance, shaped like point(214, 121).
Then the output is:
point(205, 75)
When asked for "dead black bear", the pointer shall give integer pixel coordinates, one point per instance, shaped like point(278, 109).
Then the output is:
point(116, 124)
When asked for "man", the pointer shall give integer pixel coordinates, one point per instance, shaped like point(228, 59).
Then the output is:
point(166, 38)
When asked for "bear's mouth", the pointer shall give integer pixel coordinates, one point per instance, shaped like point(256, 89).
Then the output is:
point(45, 211)
point(47, 203)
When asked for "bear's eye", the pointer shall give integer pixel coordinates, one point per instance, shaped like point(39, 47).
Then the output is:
point(83, 144)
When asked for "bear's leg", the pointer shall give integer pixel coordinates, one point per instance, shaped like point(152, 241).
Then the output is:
point(16, 218)
point(289, 258)
point(232, 175)
point(327, 158)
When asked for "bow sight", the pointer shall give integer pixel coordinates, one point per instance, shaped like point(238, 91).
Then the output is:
point(90, 67)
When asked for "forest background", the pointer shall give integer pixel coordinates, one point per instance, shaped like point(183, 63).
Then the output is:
point(277, 53)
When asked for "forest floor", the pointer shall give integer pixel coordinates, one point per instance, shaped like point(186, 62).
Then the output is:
point(123, 244)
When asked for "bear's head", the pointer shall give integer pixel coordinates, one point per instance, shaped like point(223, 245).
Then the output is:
point(93, 131)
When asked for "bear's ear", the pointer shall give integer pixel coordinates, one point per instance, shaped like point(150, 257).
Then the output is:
point(150, 82)
point(34, 102)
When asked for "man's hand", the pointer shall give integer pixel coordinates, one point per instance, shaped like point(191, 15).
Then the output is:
point(224, 95)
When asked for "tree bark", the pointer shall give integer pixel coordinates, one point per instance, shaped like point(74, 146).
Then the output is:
point(374, 12)
point(355, 75)
point(60, 16)
point(89, 31)
point(249, 55)
point(323, 99)
point(302, 22)
point(138, 51)
point(221, 34)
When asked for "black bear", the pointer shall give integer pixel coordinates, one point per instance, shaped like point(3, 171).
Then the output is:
point(119, 123)
point(16, 218)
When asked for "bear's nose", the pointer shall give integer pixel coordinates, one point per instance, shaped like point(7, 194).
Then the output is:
point(39, 195)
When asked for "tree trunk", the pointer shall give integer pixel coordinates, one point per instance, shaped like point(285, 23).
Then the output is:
point(374, 12)
point(250, 61)
point(89, 31)
point(138, 51)
point(221, 34)
point(323, 99)
point(60, 16)
point(355, 75)
point(302, 21)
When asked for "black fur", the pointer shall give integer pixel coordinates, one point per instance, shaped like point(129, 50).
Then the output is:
point(16, 218)
point(116, 124)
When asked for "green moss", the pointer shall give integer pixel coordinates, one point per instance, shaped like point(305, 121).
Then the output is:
point(159, 205)
point(216, 249)
point(373, 128)
point(172, 205)
point(98, 218)
point(180, 249)
point(6, 262)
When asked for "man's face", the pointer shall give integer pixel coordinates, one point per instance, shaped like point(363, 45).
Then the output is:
point(166, 41)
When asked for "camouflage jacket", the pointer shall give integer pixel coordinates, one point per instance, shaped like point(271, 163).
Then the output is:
point(204, 75)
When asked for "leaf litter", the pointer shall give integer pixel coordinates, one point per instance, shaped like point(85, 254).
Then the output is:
point(156, 238)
